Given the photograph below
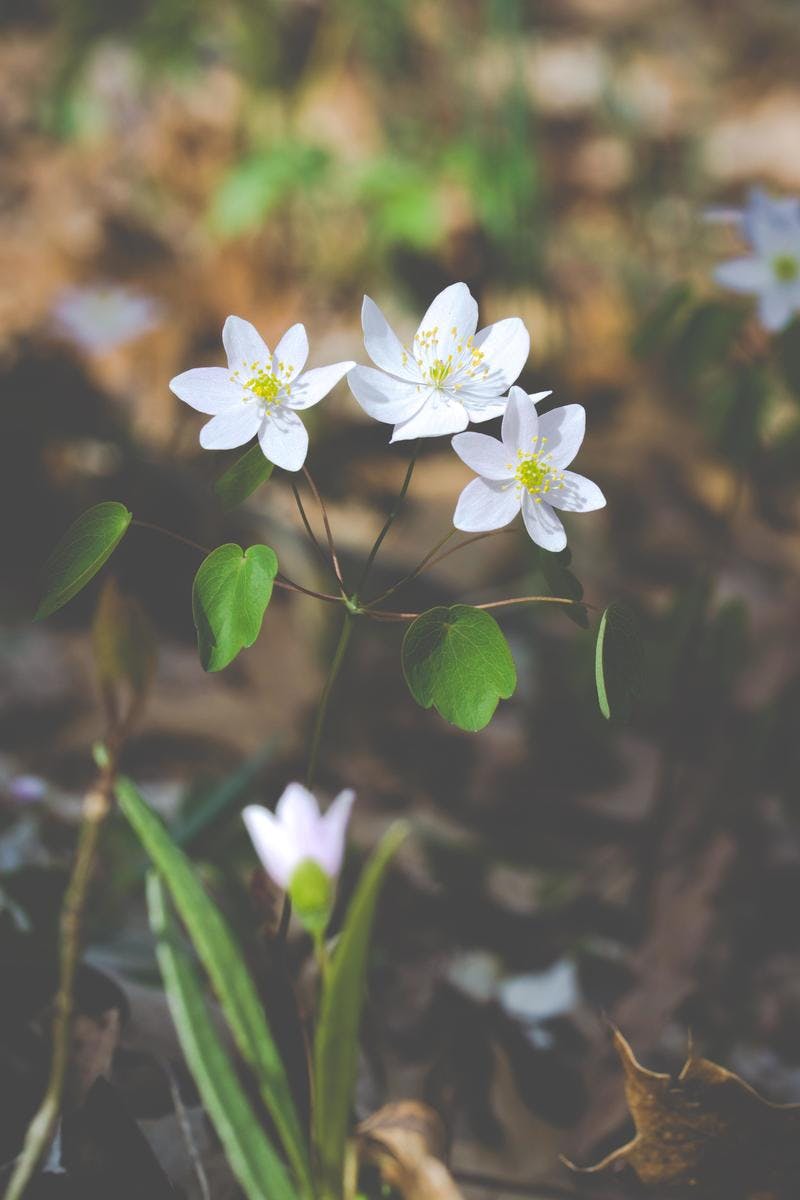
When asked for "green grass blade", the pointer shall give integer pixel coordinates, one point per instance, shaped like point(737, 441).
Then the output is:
point(222, 959)
point(336, 1042)
point(253, 1160)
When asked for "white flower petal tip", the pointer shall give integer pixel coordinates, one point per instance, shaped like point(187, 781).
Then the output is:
point(771, 272)
point(525, 471)
point(297, 833)
point(258, 393)
point(448, 376)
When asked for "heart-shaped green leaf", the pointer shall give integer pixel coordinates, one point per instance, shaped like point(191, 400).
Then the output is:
point(231, 592)
point(242, 479)
point(457, 660)
point(88, 543)
point(617, 662)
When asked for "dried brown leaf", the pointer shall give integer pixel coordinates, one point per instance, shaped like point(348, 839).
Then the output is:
point(707, 1129)
point(406, 1141)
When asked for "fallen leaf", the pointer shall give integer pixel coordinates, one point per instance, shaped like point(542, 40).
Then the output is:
point(706, 1129)
point(406, 1141)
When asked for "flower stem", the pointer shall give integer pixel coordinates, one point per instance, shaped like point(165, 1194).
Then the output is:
point(391, 517)
point(378, 615)
point(337, 570)
point(42, 1128)
point(418, 569)
point(322, 709)
point(280, 581)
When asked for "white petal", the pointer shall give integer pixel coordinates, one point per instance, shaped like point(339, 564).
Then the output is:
point(384, 397)
point(578, 494)
point(485, 504)
point(484, 455)
point(334, 828)
point(270, 843)
point(206, 389)
point(298, 812)
point(291, 353)
point(481, 410)
point(506, 346)
point(230, 428)
point(284, 439)
point(454, 308)
point(520, 423)
point(772, 225)
point(564, 429)
point(776, 306)
point(314, 385)
point(542, 524)
point(244, 345)
point(383, 345)
point(440, 414)
point(744, 274)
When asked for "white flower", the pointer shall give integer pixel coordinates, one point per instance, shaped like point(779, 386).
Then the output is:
point(772, 271)
point(525, 471)
point(297, 833)
point(259, 393)
point(450, 376)
point(102, 317)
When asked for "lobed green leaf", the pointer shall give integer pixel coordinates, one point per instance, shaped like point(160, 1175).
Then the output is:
point(243, 478)
point(458, 661)
point(85, 547)
point(229, 598)
point(617, 663)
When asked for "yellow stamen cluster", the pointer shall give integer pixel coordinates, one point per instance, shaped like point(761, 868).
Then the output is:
point(535, 472)
point(786, 268)
point(467, 360)
point(264, 384)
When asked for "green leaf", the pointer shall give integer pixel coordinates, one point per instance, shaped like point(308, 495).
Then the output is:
point(231, 592)
point(457, 660)
point(253, 1160)
point(617, 663)
point(88, 543)
point(243, 478)
point(124, 642)
point(222, 959)
point(336, 1042)
point(261, 182)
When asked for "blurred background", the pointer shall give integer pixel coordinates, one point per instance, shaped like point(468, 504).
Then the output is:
point(167, 163)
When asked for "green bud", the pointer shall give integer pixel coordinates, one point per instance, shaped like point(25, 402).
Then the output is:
point(311, 894)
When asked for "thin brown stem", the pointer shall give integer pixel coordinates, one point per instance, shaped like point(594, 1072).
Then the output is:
point(42, 1129)
point(379, 615)
point(468, 542)
point(418, 569)
point(307, 524)
point(281, 580)
point(337, 570)
point(387, 525)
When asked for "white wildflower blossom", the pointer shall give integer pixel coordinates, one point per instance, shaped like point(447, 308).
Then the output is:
point(526, 471)
point(450, 375)
point(259, 394)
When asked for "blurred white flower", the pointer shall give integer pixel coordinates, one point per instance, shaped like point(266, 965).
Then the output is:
point(541, 995)
point(259, 393)
point(450, 376)
point(102, 317)
point(297, 833)
point(525, 471)
point(772, 271)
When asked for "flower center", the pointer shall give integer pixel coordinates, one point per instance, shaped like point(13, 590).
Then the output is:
point(264, 384)
point(463, 363)
point(535, 472)
point(786, 268)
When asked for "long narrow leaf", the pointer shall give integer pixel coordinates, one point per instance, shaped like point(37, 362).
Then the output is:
point(250, 1154)
point(336, 1042)
point(222, 959)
